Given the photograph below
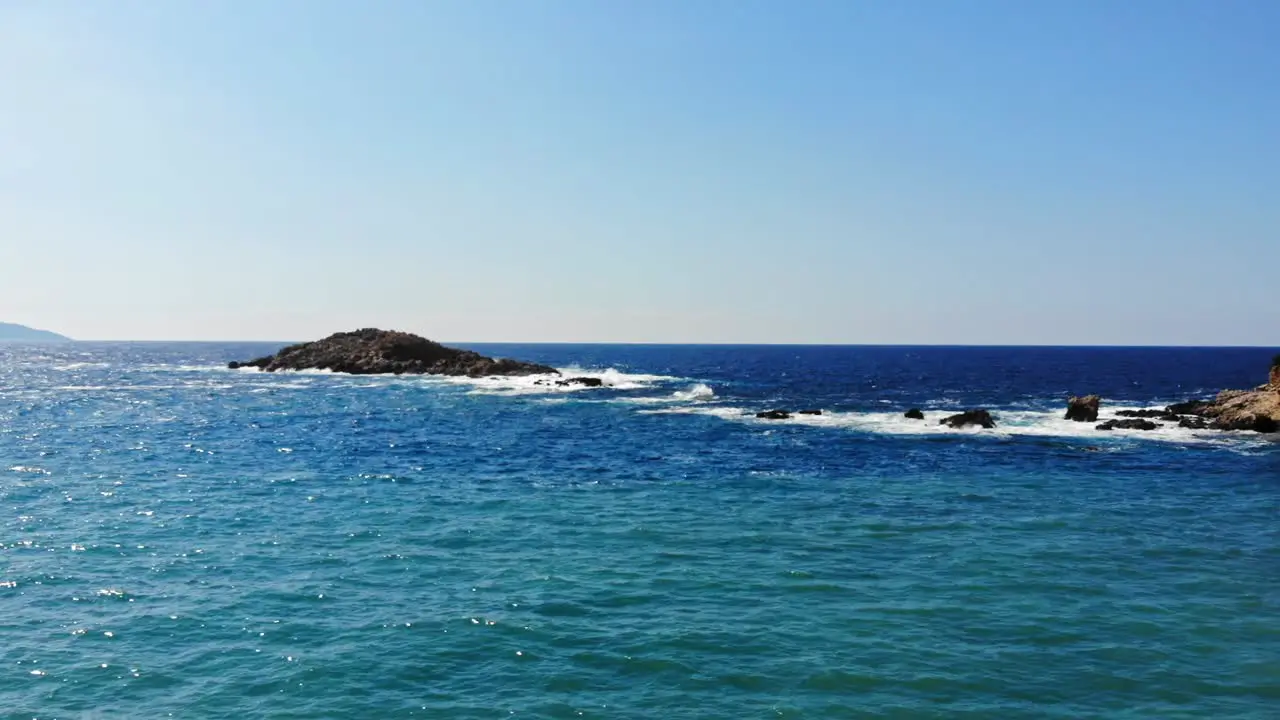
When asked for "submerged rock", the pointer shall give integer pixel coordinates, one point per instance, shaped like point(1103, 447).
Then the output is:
point(810, 412)
point(1149, 413)
point(913, 414)
point(970, 417)
point(570, 382)
point(774, 415)
point(1128, 424)
point(1083, 409)
point(375, 352)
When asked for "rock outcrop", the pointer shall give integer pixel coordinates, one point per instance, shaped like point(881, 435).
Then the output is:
point(375, 352)
point(1083, 409)
point(1257, 410)
point(1190, 407)
point(1128, 424)
point(970, 417)
point(1150, 413)
point(774, 415)
point(913, 414)
point(809, 412)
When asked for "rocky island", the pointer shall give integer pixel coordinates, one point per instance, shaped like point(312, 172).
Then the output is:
point(379, 352)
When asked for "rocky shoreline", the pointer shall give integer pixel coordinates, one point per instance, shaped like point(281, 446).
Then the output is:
point(371, 351)
point(387, 352)
point(1257, 410)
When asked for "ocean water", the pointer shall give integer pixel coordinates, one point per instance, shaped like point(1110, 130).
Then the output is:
point(181, 540)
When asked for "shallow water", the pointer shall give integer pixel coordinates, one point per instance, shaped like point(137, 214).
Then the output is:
point(180, 539)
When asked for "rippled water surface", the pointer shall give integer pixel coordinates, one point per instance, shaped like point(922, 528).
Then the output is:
point(177, 539)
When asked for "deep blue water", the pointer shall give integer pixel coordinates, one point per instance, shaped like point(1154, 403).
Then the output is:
point(177, 539)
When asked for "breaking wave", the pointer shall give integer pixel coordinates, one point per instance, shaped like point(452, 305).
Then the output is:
point(1010, 423)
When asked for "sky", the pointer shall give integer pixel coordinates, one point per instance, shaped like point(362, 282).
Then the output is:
point(979, 172)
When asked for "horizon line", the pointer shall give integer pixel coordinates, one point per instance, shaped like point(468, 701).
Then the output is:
point(695, 344)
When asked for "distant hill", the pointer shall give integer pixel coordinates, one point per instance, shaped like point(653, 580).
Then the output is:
point(22, 333)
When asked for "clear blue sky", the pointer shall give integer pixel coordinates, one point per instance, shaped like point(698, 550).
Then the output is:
point(694, 171)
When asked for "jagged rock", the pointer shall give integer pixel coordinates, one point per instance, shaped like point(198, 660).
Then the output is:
point(373, 352)
point(810, 412)
point(913, 414)
point(1083, 409)
point(1246, 420)
point(261, 362)
point(1130, 424)
point(774, 415)
point(1257, 410)
point(1193, 422)
point(1274, 380)
point(1149, 413)
point(970, 417)
point(1190, 407)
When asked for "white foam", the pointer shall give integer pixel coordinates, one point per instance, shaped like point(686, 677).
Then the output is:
point(186, 368)
point(1009, 423)
point(80, 366)
point(546, 384)
point(696, 393)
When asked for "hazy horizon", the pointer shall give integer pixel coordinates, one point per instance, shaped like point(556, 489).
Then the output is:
point(446, 341)
point(987, 173)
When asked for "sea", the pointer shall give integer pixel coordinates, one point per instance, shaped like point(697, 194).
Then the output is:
point(181, 540)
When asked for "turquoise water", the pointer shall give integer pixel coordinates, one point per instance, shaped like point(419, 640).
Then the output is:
point(181, 540)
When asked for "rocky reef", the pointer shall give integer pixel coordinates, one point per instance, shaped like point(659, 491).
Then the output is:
point(376, 352)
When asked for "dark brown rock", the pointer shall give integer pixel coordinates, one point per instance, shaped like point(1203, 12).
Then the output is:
point(1246, 421)
point(810, 412)
point(583, 381)
point(377, 352)
point(914, 414)
point(970, 417)
point(1083, 409)
point(1190, 407)
point(1149, 413)
point(258, 363)
point(774, 415)
point(1128, 424)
